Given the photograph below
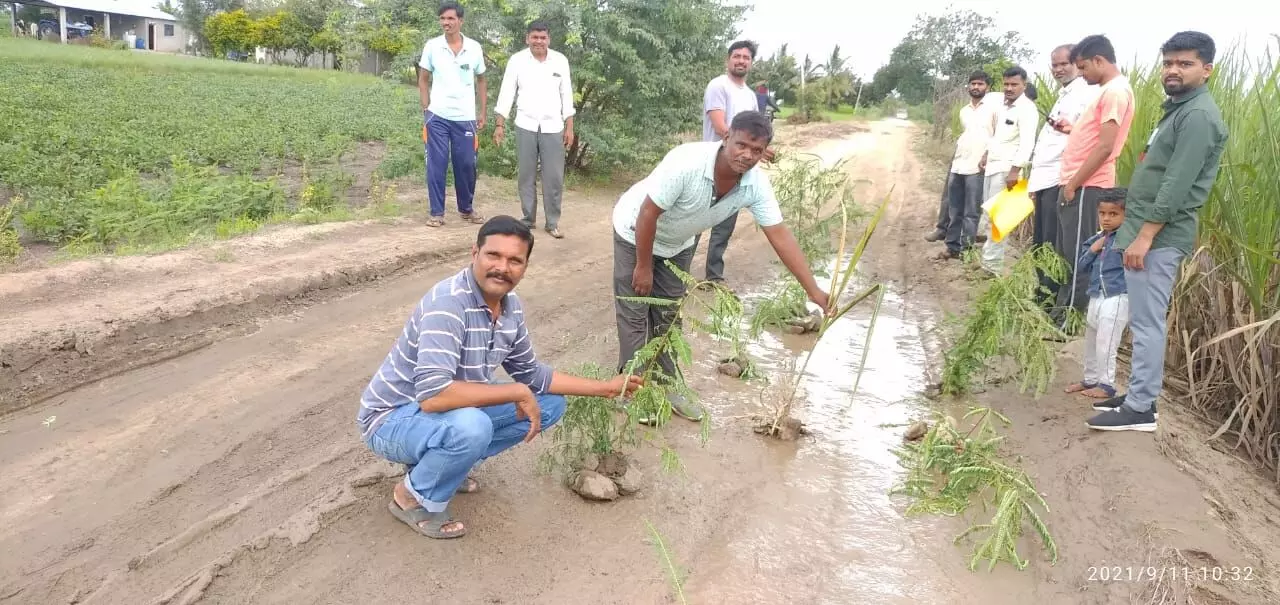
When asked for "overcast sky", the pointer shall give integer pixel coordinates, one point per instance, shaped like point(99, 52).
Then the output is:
point(868, 31)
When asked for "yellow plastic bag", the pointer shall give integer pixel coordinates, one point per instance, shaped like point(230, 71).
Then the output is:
point(1007, 209)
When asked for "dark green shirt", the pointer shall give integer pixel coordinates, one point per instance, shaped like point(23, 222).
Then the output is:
point(1174, 179)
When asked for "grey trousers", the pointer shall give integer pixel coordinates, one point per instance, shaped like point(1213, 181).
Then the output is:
point(1077, 221)
point(547, 149)
point(1149, 292)
point(716, 246)
point(638, 322)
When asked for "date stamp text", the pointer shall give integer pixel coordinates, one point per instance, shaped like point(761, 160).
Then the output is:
point(1121, 573)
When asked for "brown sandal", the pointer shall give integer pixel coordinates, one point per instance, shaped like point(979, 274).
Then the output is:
point(469, 486)
point(435, 221)
point(474, 218)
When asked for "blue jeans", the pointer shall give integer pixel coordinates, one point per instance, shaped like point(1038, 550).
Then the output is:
point(1149, 292)
point(446, 140)
point(441, 447)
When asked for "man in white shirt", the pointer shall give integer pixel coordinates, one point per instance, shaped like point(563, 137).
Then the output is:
point(539, 78)
point(1008, 153)
point(964, 183)
point(726, 96)
point(1044, 183)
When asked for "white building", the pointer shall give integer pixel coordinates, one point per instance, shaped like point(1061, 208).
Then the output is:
point(118, 20)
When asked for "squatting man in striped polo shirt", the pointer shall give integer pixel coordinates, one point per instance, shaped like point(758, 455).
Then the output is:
point(434, 405)
point(695, 187)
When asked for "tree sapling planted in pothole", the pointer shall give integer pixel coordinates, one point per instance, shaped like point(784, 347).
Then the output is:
point(592, 440)
point(780, 423)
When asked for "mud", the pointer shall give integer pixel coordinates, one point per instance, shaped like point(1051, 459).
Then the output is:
point(234, 473)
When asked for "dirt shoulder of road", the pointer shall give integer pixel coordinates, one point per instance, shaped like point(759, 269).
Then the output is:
point(70, 323)
point(1122, 506)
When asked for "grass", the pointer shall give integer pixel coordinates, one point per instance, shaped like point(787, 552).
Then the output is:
point(147, 150)
point(843, 113)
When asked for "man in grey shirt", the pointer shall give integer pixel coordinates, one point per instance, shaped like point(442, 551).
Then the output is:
point(434, 406)
point(726, 96)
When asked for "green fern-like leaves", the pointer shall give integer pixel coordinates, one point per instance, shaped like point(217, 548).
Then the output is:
point(1006, 322)
point(947, 471)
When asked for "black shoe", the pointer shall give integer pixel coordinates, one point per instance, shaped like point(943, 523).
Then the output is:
point(1124, 419)
point(937, 235)
point(1107, 405)
point(981, 239)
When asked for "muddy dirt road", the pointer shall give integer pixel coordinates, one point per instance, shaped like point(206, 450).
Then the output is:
point(233, 473)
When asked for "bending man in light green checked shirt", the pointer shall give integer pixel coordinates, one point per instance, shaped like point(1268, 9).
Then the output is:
point(696, 186)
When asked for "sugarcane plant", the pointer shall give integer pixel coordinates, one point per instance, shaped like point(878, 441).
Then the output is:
point(948, 469)
point(781, 424)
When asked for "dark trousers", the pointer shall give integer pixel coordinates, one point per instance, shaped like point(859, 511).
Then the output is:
point(638, 323)
point(964, 203)
point(716, 246)
point(1077, 221)
point(944, 205)
point(445, 140)
point(1045, 231)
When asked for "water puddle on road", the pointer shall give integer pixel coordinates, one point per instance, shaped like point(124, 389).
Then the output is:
point(828, 532)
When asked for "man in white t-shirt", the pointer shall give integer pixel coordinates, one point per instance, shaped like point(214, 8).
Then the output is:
point(1045, 183)
point(696, 185)
point(726, 96)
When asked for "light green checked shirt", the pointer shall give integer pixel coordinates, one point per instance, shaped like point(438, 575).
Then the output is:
point(683, 187)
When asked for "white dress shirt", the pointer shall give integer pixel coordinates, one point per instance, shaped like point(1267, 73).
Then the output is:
point(976, 127)
point(1046, 162)
point(541, 91)
point(1015, 136)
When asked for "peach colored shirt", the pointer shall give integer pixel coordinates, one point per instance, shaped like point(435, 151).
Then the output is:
point(1114, 103)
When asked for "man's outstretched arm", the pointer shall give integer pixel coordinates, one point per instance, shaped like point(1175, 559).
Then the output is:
point(788, 250)
point(568, 384)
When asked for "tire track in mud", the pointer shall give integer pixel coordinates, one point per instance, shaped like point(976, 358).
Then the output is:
point(249, 459)
point(137, 338)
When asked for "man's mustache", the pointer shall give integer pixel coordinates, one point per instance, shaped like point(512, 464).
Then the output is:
point(498, 275)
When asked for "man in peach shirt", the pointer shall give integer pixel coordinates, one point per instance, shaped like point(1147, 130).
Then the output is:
point(1089, 161)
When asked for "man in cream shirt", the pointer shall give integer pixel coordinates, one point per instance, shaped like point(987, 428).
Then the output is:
point(964, 184)
point(1008, 153)
point(539, 76)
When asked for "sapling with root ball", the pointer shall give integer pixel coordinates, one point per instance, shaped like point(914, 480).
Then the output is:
point(594, 431)
point(949, 469)
point(1007, 322)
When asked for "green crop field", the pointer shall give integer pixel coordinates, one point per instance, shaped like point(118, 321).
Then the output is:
point(117, 150)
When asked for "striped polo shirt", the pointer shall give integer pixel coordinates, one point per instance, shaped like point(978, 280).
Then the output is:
point(683, 187)
point(450, 337)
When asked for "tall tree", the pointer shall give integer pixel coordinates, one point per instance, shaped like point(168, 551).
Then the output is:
point(944, 47)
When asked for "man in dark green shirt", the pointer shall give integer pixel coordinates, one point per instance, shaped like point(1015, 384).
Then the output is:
point(1168, 189)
